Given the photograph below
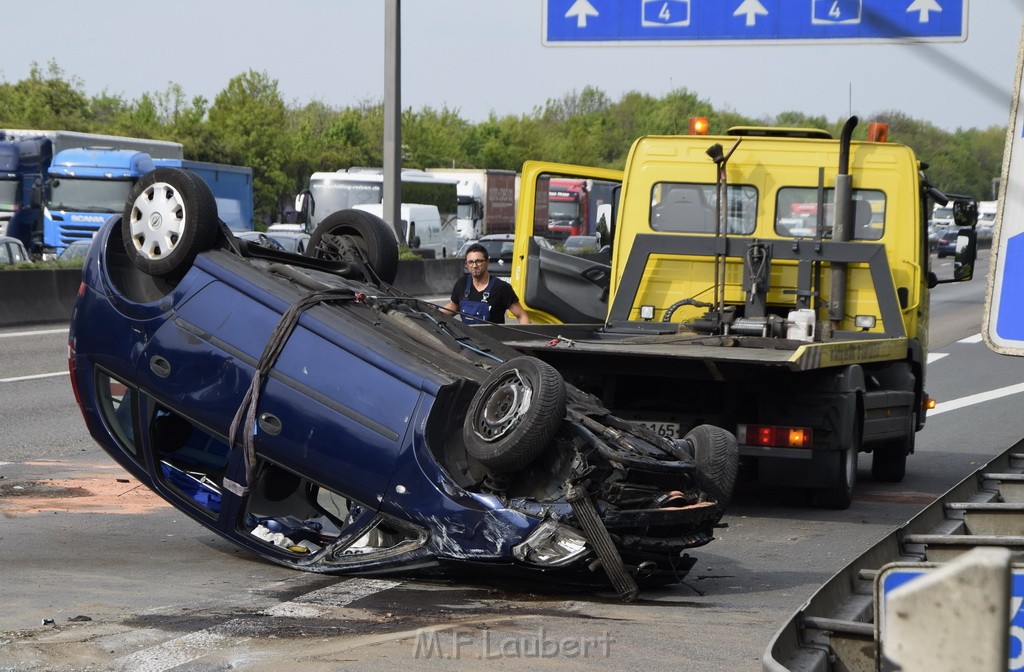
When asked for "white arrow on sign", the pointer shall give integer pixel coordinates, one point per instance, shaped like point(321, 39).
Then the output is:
point(581, 9)
point(752, 8)
point(923, 7)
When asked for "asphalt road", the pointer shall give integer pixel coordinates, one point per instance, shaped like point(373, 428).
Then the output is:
point(100, 574)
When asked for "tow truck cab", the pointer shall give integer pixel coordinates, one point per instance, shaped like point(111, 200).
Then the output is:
point(771, 281)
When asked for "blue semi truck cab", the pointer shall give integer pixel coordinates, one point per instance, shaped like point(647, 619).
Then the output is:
point(23, 165)
point(85, 187)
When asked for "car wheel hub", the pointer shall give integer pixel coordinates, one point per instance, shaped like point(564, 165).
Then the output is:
point(506, 404)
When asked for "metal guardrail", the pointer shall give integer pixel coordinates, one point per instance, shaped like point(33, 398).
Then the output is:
point(835, 631)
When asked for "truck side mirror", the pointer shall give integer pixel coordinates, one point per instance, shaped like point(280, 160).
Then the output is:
point(305, 205)
point(36, 198)
point(966, 252)
point(965, 213)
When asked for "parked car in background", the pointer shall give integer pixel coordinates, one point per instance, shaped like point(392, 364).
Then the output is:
point(946, 243)
point(461, 254)
point(499, 251)
point(986, 220)
point(291, 241)
point(306, 410)
point(260, 238)
point(581, 244)
point(12, 251)
point(76, 250)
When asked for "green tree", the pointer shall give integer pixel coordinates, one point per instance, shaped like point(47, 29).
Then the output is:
point(45, 100)
point(248, 123)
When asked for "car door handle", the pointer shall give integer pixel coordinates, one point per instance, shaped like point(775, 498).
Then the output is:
point(270, 423)
point(160, 366)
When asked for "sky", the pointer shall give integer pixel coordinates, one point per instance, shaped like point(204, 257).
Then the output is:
point(478, 57)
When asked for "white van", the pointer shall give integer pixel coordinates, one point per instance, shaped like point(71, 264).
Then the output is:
point(423, 228)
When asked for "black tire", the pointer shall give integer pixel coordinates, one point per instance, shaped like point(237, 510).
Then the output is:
point(370, 233)
point(889, 459)
point(169, 218)
point(718, 457)
point(514, 415)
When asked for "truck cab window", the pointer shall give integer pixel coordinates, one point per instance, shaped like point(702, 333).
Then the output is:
point(796, 213)
point(693, 208)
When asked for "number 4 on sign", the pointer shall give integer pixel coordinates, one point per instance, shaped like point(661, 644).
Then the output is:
point(665, 13)
point(835, 12)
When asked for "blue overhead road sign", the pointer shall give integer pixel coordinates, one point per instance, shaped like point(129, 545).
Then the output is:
point(589, 22)
point(1004, 308)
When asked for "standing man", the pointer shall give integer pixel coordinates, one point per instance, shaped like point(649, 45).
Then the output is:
point(481, 297)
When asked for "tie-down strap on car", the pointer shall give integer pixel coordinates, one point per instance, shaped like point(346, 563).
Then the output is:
point(246, 413)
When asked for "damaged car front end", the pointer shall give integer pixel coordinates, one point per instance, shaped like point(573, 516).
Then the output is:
point(306, 410)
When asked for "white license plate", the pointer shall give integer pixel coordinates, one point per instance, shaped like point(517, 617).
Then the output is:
point(669, 430)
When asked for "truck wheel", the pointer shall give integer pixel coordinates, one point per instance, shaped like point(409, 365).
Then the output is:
point(373, 236)
point(718, 457)
point(170, 217)
point(514, 415)
point(889, 459)
point(841, 496)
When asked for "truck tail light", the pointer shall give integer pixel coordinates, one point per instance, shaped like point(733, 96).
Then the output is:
point(698, 125)
point(774, 436)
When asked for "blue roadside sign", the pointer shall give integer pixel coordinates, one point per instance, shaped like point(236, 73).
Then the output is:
point(1004, 305)
point(675, 22)
point(894, 575)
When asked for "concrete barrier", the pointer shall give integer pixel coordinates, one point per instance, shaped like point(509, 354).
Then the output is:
point(429, 276)
point(35, 296)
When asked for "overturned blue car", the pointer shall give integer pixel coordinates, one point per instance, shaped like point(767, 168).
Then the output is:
point(303, 408)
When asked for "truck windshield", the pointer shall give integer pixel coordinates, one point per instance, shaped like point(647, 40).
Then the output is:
point(331, 196)
point(8, 194)
point(78, 195)
point(563, 210)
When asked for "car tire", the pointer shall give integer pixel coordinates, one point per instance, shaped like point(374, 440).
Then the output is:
point(717, 455)
point(169, 218)
point(370, 233)
point(515, 414)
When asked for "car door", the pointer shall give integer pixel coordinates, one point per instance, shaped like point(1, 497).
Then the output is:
point(553, 286)
point(329, 410)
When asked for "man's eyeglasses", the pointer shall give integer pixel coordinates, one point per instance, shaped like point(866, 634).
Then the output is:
point(475, 262)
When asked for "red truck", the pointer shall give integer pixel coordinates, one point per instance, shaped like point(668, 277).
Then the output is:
point(568, 209)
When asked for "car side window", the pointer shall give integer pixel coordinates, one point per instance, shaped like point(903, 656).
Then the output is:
point(116, 403)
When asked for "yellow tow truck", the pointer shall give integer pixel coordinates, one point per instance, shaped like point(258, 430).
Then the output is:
point(771, 281)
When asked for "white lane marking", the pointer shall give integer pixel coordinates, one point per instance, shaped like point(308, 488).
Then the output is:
point(936, 356)
point(979, 398)
point(193, 646)
point(176, 652)
point(33, 377)
point(971, 339)
point(40, 332)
